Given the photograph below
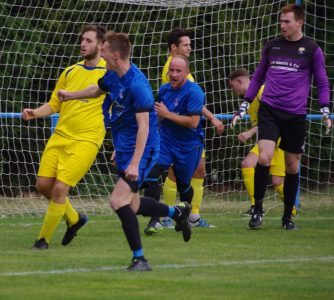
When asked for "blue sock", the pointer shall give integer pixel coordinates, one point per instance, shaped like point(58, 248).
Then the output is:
point(138, 253)
point(171, 211)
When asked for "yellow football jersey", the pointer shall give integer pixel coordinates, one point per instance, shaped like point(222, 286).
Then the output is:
point(254, 107)
point(80, 119)
point(165, 77)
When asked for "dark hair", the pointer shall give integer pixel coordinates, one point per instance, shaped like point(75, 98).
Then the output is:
point(239, 73)
point(175, 35)
point(297, 10)
point(118, 42)
point(100, 30)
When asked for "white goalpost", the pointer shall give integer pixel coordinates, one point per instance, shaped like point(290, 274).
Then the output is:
point(40, 38)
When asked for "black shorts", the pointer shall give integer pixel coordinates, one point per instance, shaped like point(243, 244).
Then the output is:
point(274, 123)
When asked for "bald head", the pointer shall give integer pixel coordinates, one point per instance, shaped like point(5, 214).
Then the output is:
point(178, 71)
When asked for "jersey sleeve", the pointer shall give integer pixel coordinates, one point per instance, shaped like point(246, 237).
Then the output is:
point(164, 75)
point(320, 77)
point(258, 78)
point(195, 102)
point(54, 101)
point(106, 110)
point(143, 98)
point(106, 81)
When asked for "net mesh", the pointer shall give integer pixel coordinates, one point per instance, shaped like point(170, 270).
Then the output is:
point(40, 38)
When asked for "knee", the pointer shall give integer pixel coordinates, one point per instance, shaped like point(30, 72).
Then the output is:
point(265, 159)
point(277, 181)
point(45, 188)
point(200, 171)
point(60, 189)
point(171, 174)
point(292, 167)
point(245, 164)
point(113, 203)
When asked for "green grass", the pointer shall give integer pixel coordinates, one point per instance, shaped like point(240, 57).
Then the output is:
point(227, 262)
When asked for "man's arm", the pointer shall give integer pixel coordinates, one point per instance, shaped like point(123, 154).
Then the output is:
point(186, 121)
point(42, 111)
point(93, 91)
point(322, 83)
point(254, 87)
point(214, 121)
point(142, 119)
point(244, 136)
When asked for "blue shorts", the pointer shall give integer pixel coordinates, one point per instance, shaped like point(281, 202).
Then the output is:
point(148, 160)
point(184, 163)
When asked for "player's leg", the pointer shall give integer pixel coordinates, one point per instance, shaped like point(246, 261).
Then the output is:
point(152, 185)
point(152, 190)
point(120, 201)
point(73, 167)
point(169, 188)
point(170, 194)
point(248, 169)
point(268, 134)
point(266, 152)
point(293, 139)
point(197, 184)
point(73, 160)
point(184, 165)
point(46, 179)
point(277, 170)
point(53, 215)
point(291, 184)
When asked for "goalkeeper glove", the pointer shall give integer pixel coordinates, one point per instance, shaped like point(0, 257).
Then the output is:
point(326, 118)
point(240, 113)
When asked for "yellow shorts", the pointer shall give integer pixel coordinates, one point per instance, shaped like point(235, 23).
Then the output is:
point(67, 160)
point(277, 166)
point(203, 153)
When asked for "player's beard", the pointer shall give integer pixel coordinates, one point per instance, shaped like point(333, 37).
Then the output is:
point(91, 55)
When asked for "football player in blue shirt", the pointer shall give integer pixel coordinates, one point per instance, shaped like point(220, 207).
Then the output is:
point(136, 141)
point(179, 108)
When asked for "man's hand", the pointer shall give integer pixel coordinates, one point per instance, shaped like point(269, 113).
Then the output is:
point(161, 109)
point(132, 172)
point(326, 119)
point(28, 114)
point(239, 114)
point(218, 124)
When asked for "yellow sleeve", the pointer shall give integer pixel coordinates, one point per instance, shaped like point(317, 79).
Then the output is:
point(54, 100)
point(254, 107)
point(164, 75)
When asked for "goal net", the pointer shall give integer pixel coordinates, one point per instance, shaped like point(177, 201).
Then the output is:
point(40, 38)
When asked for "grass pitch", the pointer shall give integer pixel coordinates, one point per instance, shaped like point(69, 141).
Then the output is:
point(226, 262)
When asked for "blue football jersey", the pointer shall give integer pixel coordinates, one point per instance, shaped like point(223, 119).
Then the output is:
point(128, 95)
point(187, 100)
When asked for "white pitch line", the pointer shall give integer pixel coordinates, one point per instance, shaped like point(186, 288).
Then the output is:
point(172, 266)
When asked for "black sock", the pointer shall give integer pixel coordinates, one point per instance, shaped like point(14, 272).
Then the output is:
point(290, 190)
point(187, 194)
point(150, 207)
point(260, 185)
point(130, 226)
point(153, 191)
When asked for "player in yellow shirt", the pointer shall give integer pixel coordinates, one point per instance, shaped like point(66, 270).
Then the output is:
point(72, 148)
point(179, 43)
point(239, 81)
